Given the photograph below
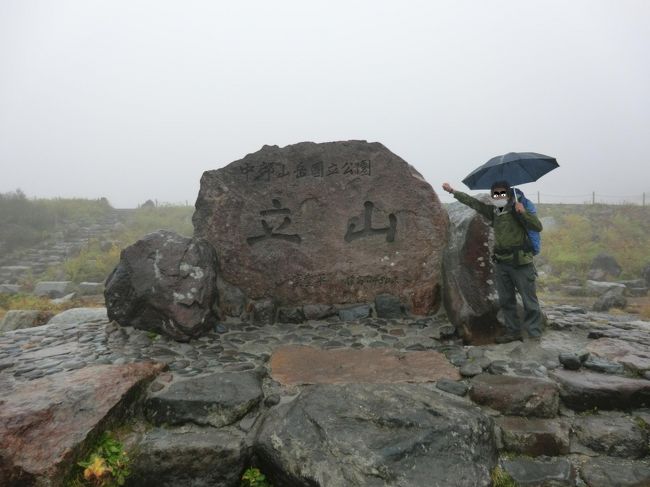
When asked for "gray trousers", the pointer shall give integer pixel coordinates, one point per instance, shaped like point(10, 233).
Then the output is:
point(522, 279)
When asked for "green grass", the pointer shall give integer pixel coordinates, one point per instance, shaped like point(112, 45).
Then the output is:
point(501, 478)
point(584, 231)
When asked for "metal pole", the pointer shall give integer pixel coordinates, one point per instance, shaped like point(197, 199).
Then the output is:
point(593, 198)
point(538, 197)
point(644, 198)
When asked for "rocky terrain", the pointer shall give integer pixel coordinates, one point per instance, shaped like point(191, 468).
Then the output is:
point(332, 324)
point(393, 402)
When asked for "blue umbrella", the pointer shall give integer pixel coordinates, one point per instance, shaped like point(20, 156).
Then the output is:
point(513, 167)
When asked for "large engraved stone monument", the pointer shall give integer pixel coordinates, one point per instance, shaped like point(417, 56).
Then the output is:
point(331, 223)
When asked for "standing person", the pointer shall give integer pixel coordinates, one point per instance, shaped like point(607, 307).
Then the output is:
point(514, 269)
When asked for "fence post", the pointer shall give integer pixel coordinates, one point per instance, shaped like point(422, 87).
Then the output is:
point(644, 198)
point(593, 198)
point(538, 197)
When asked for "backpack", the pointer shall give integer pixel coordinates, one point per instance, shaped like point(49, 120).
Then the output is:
point(534, 237)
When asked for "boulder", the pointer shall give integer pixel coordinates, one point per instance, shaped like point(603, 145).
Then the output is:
point(356, 312)
point(262, 311)
point(63, 300)
point(91, 288)
point(331, 223)
point(362, 435)
point(388, 306)
point(318, 311)
point(533, 436)
point(165, 283)
point(598, 288)
point(291, 315)
point(611, 299)
point(551, 472)
point(633, 355)
point(200, 457)
point(604, 266)
point(469, 294)
point(9, 288)
point(17, 319)
point(216, 400)
point(607, 472)
point(45, 424)
point(79, 316)
point(612, 433)
point(53, 289)
point(516, 396)
point(583, 391)
point(232, 300)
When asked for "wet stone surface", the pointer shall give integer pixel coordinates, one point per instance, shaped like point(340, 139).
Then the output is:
point(32, 353)
point(244, 349)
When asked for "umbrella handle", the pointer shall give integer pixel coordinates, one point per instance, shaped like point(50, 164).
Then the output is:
point(514, 192)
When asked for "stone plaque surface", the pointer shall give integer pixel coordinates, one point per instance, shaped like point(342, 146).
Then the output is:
point(295, 364)
point(338, 222)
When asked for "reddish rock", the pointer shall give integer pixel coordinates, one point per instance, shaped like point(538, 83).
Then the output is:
point(46, 424)
point(332, 223)
point(534, 436)
point(516, 396)
point(469, 294)
point(583, 391)
point(295, 365)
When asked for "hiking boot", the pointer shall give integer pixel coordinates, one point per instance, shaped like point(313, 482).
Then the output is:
point(507, 338)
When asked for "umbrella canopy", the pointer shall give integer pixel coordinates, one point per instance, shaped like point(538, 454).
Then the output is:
point(513, 167)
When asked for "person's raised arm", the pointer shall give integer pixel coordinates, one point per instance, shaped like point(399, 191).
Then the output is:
point(483, 208)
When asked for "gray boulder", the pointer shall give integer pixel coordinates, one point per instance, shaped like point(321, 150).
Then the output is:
point(53, 289)
point(583, 391)
point(17, 319)
point(469, 295)
point(200, 457)
point(552, 472)
point(165, 283)
point(607, 472)
point(362, 435)
point(91, 288)
point(79, 316)
point(612, 433)
point(611, 299)
point(388, 306)
point(598, 288)
point(356, 312)
point(318, 311)
point(604, 266)
point(9, 288)
point(216, 400)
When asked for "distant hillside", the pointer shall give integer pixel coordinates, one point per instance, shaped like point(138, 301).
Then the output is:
point(74, 239)
point(580, 232)
point(80, 240)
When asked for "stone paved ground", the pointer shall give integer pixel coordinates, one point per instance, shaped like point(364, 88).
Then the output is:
point(32, 353)
point(619, 346)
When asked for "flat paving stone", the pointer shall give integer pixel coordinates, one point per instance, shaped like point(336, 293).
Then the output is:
point(294, 365)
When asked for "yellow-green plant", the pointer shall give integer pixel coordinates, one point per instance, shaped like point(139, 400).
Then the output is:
point(501, 478)
point(106, 466)
point(254, 478)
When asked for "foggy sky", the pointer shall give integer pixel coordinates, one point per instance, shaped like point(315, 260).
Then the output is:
point(133, 100)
